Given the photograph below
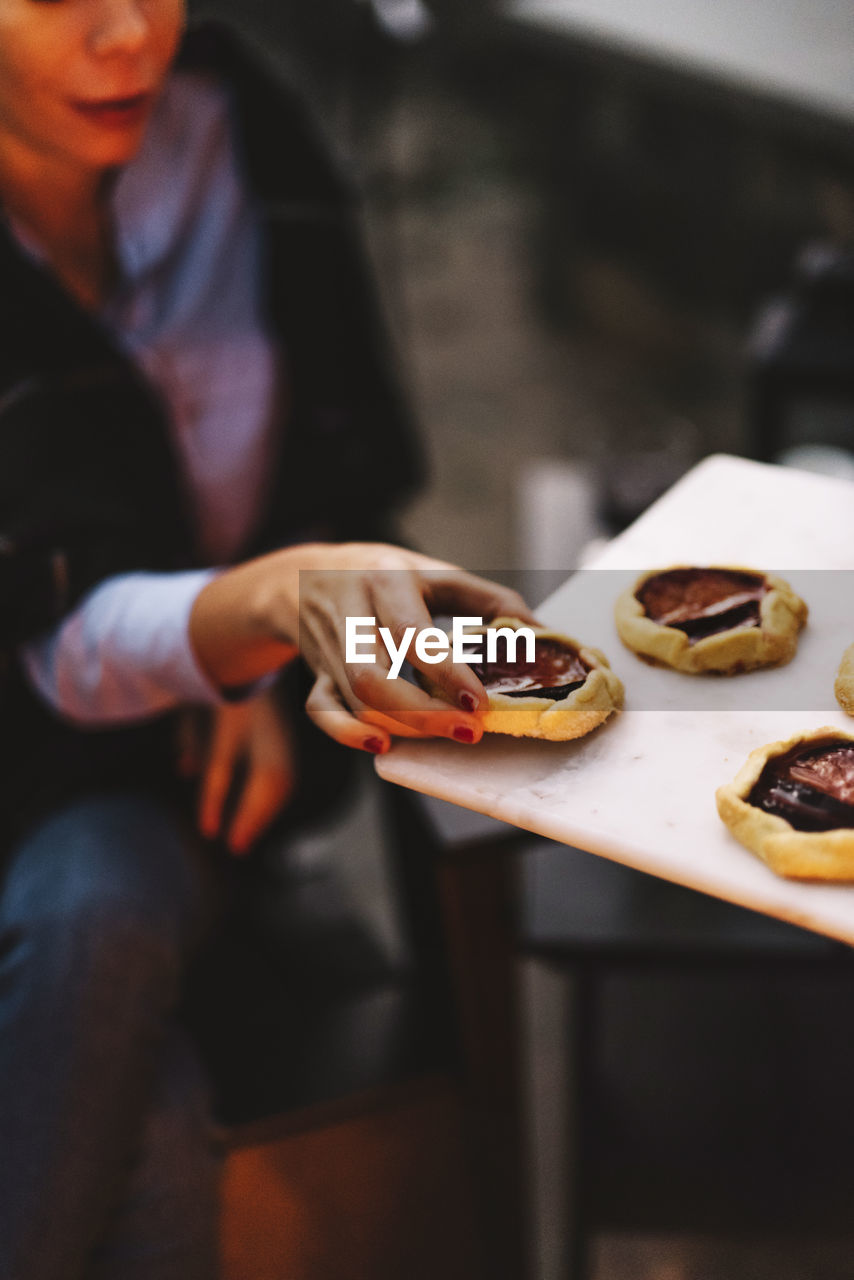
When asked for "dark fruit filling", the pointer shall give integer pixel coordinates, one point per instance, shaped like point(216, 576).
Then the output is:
point(811, 787)
point(556, 671)
point(703, 602)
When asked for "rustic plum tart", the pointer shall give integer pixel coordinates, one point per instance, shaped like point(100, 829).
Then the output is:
point(568, 690)
point(793, 803)
point(711, 619)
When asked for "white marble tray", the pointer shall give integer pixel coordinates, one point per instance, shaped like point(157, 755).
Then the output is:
point(641, 789)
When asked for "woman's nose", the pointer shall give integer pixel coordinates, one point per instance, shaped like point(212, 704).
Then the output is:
point(121, 26)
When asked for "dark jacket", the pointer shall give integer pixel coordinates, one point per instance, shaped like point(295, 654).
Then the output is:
point(89, 483)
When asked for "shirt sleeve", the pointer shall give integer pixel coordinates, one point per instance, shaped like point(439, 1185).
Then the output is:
point(124, 653)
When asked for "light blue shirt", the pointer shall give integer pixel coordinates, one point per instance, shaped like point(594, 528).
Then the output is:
point(187, 308)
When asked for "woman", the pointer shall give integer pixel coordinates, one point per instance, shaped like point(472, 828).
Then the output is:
point(191, 375)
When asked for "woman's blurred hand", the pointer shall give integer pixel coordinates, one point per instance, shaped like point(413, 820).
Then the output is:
point(245, 740)
point(254, 618)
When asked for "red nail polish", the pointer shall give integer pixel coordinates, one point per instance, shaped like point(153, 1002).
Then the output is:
point(376, 745)
point(467, 700)
point(463, 733)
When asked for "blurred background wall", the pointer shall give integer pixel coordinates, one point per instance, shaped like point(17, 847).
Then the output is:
point(596, 257)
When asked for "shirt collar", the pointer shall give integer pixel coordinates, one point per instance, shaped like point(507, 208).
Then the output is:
point(156, 195)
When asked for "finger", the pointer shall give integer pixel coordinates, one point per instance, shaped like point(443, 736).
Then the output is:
point(188, 743)
point(395, 705)
point(216, 782)
point(334, 704)
point(398, 703)
point(367, 696)
point(228, 735)
point(325, 709)
point(401, 610)
point(270, 743)
point(465, 593)
point(264, 796)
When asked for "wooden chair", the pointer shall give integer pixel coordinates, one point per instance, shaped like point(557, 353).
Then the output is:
point(336, 1072)
point(711, 1054)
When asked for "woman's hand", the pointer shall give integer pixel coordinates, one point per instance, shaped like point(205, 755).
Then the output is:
point(250, 740)
point(252, 619)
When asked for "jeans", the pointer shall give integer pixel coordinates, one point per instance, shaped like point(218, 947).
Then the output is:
point(108, 1165)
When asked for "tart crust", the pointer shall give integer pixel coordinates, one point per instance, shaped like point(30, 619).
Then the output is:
point(577, 714)
point(798, 855)
point(774, 642)
point(843, 686)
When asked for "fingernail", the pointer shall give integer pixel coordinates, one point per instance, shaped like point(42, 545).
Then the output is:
point(468, 702)
point(463, 733)
point(376, 745)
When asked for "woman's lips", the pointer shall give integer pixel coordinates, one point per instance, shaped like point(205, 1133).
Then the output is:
point(116, 113)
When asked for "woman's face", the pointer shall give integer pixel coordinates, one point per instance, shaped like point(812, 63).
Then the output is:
point(78, 78)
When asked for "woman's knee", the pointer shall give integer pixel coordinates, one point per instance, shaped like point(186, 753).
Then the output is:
point(107, 880)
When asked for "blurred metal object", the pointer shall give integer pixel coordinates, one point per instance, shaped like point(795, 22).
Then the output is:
point(404, 20)
point(802, 358)
point(796, 56)
point(820, 459)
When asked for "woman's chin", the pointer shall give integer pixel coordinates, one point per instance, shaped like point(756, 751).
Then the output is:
point(105, 143)
point(112, 151)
